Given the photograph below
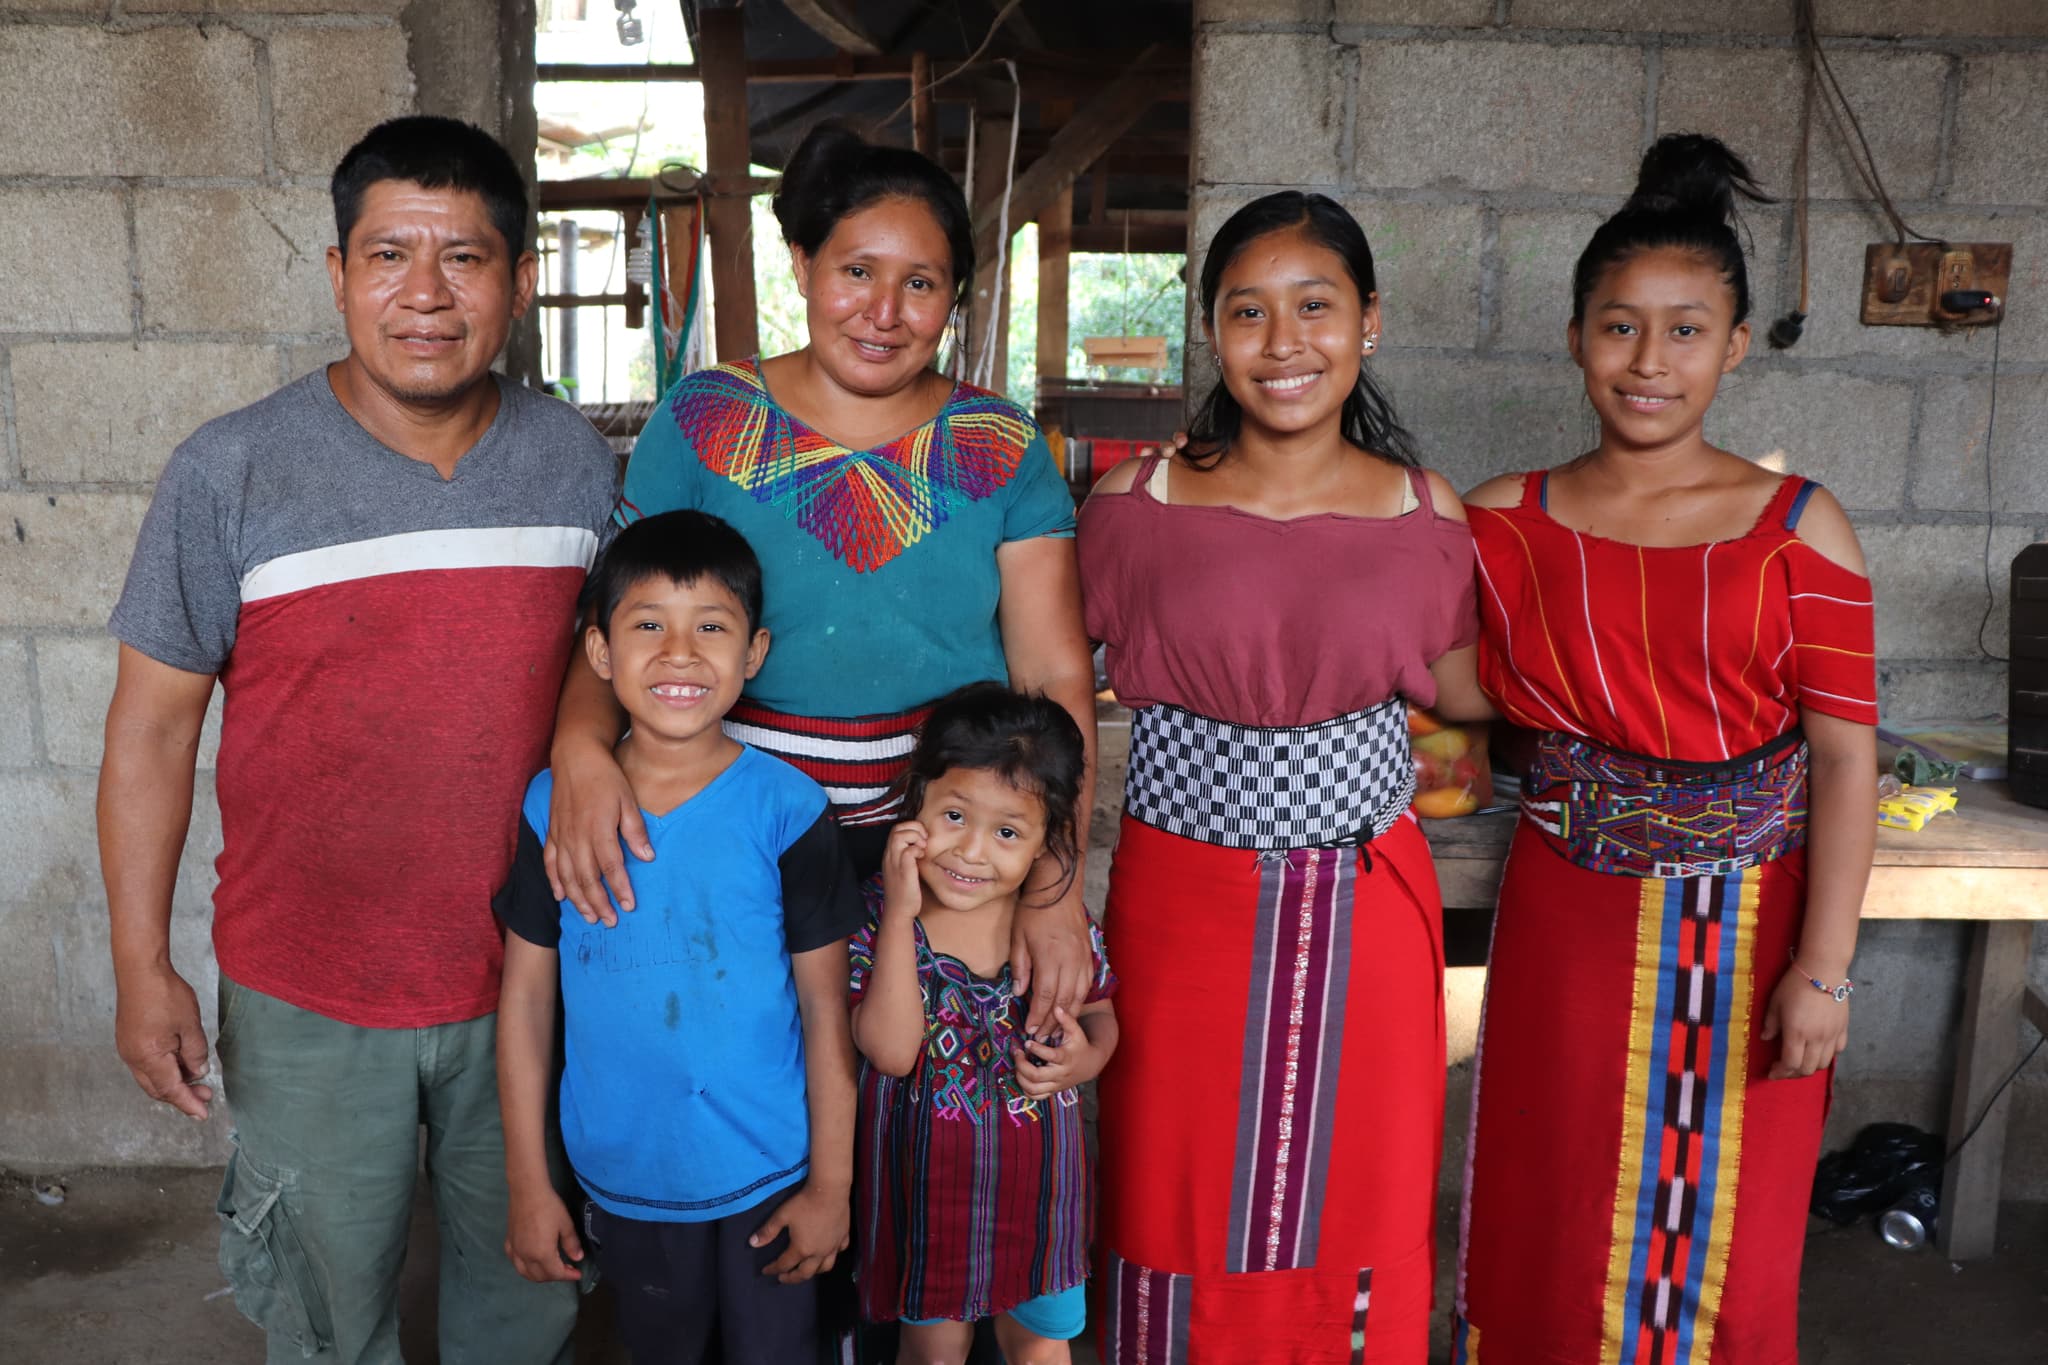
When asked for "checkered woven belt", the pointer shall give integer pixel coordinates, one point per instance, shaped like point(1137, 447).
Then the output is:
point(1611, 811)
point(1340, 783)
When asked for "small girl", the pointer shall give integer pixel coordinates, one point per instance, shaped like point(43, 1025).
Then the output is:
point(974, 1191)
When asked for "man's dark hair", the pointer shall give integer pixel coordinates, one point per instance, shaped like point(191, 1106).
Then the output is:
point(434, 153)
point(681, 547)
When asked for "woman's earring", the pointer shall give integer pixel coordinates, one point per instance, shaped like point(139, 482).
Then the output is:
point(1371, 342)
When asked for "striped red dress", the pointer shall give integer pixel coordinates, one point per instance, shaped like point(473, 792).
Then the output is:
point(1636, 1189)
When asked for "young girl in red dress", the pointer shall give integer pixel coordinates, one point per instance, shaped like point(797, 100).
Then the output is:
point(1690, 634)
point(972, 1180)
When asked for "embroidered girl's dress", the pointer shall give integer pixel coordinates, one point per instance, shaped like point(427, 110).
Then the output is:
point(878, 566)
point(1637, 1189)
point(1271, 1128)
point(972, 1197)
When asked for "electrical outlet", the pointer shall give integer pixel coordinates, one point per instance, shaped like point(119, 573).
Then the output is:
point(1912, 285)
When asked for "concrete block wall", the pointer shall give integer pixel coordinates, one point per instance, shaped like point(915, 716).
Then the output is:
point(163, 199)
point(1481, 141)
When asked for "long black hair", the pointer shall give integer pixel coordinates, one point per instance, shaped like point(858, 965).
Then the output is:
point(1368, 418)
point(834, 171)
point(1685, 198)
point(1028, 740)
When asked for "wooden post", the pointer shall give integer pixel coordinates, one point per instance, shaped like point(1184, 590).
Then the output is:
point(728, 217)
point(924, 114)
point(1055, 242)
point(991, 172)
point(1987, 1049)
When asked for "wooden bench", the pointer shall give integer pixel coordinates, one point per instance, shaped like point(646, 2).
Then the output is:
point(1988, 864)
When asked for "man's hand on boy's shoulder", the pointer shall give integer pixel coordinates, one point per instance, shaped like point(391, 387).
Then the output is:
point(818, 1222)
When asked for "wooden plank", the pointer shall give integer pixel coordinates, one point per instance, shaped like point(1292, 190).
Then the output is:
point(1110, 239)
point(775, 71)
point(1987, 1048)
point(924, 116)
point(728, 220)
point(2035, 1007)
point(604, 192)
point(1055, 245)
point(991, 167)
point(1107, 115)
point(835, 23)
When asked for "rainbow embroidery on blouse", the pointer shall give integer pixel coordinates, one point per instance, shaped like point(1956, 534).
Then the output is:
point(865, 506)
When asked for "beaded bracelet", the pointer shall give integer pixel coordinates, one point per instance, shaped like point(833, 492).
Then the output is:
point(1840, 993)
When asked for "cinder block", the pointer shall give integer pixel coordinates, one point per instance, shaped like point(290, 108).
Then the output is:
point(304, 357)
point(1948, 472)
point(276, 239)
point(1262, 11)
point(1929, 584)
point(1908, 975)
point(77, 675)
point(329, 86)
point(46, 824)
point(52, 225)
point(313, 7)
point(63, 556)
point(1427, 259)
point(1269, 109)
point(1477, 418)
point(1422, 13)
point(85, 967)
point(1999, 155)
point(1957, 18)
point(17, 737)
point(1850, 434)
point(113, 411)
point(1653, 16)
point(1915, 692)
point(1437, 114)
point(73, 1104)
point(28, 1005)
point(159, 101)
point(1750, 98)
point(1533, 297)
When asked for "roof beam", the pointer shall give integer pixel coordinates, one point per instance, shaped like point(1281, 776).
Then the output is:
point(1096, 125)
point(834, 22)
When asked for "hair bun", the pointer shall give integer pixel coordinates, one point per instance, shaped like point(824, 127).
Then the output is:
point(826, 154)
point(1694, 173)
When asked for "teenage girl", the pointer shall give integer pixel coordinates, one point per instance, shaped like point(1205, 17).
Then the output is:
point(1270, 600)
point(974, 1191)
point(1690, 635)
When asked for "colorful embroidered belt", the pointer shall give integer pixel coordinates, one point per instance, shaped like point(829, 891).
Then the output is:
point(1338, 783)
point(1660, 817)
point(857, 760)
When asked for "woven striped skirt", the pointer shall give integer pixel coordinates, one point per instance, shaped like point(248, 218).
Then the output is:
point(1636, 1188)
point(1271, 1126)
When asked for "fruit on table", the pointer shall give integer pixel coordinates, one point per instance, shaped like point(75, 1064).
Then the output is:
point(1440, 803)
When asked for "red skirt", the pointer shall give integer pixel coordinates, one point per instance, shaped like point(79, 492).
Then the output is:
point(1272, 1122)
point(1636, 1191)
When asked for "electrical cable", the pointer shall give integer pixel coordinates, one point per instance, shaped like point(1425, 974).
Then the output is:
point(1989, 1104)
point(994, 27)
point(985, 363)
point(1847, 122)
point(1990, 502)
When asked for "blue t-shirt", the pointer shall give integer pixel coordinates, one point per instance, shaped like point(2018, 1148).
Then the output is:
point(879, 566)
point(683, 1095)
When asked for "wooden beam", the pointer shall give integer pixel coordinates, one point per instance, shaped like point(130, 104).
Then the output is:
point(1055, 242)
point(924, 116)
point(775, 71)
point(835, 23)
point(1987, 1046)
point(1109, 239)
point(605, 192)
point(991, 170)
point(1080, 144)
point(721, 40)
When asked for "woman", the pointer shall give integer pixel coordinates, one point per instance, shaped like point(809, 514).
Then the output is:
point(1270, 1130)
point(914, 534)
point(1690, 634)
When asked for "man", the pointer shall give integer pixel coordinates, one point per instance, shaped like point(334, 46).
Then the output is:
point(379, 564)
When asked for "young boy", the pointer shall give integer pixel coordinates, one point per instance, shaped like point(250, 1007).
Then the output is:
point(708, 1089)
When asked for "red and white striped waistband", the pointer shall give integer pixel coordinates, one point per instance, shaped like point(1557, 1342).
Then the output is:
point(857, 760)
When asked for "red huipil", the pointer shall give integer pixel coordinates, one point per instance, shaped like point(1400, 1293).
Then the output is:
point(1636, 1188)
point(1272, 1122)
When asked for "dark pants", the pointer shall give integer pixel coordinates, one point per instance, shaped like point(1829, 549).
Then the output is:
point(676, 1284)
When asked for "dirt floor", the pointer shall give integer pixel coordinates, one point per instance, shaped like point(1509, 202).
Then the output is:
point(124, 1272)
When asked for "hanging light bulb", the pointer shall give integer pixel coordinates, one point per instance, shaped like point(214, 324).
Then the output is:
point(631, 33)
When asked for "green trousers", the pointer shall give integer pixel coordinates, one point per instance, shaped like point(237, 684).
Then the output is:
point(318, 1195)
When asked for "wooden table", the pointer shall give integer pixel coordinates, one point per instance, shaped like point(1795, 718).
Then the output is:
point(1986, 863)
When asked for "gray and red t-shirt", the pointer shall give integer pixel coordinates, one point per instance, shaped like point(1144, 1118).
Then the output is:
point(391, 646)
